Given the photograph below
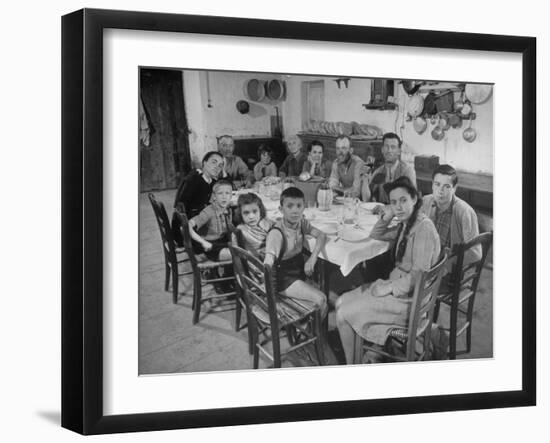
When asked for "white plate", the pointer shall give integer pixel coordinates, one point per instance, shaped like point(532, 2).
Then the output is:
point(352, 234)
point(329, 228)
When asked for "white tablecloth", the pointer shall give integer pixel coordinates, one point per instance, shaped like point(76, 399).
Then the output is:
point(341, 252)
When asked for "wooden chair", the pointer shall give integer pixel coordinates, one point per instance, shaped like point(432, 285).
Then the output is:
point(414, 342)
point(201, 265)
point(172, 253)
point(272, 315)
point(459, 291)
point(237, 239)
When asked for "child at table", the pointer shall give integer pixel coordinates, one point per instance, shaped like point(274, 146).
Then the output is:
point(210, 228)
point(284, 249)
point(265, 167)
point(254, 225)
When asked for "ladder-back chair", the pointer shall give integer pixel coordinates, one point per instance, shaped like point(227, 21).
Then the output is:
point(172, 252)
point(200, 266)
point(272, 315)
point(413, 343)
point(459, 290)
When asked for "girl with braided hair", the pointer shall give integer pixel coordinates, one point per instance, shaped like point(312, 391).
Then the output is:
point(372, 311)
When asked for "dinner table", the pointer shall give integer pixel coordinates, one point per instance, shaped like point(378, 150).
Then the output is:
point(347, 225)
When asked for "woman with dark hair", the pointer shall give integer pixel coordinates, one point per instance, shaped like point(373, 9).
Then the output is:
point(370, 312)
point(316, 165)
point(195, 190)
point(265, 167)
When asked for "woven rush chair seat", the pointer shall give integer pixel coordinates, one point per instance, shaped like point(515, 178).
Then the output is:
point(289, 311)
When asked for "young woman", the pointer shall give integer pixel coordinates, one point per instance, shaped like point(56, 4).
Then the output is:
point(370, 312)
point(316, 165)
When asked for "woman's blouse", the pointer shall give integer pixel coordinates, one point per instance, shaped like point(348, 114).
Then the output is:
point(422, 252)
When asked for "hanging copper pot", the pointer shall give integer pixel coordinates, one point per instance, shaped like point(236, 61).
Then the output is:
point(444, 121)
point(243, 107)
point(438, 133)
point(478, 93)
point(420, 124)
point(415, 105)
point(411, 86)
point(469, 133)
point(455, 121)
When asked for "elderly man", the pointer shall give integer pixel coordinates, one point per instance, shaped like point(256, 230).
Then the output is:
point(455, 220)
point(294, 162)
point(346, 169)
point(392, 169)
point(234, 168)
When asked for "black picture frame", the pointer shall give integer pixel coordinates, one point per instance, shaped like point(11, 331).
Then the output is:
point(82, 218)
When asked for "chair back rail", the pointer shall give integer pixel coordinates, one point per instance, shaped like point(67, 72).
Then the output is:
point(181, 219)
point(163, 222)
point(462, 287)
point(422, 308)
point(257, 281)
point(464, 273)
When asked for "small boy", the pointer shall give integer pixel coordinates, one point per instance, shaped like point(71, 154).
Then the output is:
point(284, 245)
point(265, 167)
point(212, 224)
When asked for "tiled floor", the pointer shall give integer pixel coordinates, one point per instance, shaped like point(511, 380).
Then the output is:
point(169, 342)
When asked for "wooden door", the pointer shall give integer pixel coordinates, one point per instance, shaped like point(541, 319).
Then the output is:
point(313, 101)
point(167, 159)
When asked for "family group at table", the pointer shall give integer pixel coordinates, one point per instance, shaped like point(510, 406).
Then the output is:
point(418, 229)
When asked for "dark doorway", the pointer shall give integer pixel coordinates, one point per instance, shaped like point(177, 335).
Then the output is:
point(167, 159)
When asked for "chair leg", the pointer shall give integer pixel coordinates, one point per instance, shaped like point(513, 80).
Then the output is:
point(276, 349)
point(250, 325)
point(436, 310)
point(319, 342)
point(197, 295)
point(469, 319)
point(452, 327)
point(167, 277)
point(175, 283)
point(254, 333)
point(238, 310)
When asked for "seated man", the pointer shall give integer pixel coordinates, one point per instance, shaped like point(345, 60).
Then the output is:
point(455, 220)
point(392, 169)
point(234, 168)
point(294, 162)
point(346, 169)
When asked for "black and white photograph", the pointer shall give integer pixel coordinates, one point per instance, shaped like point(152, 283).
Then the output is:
point(291, 221)
point(296, 220)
